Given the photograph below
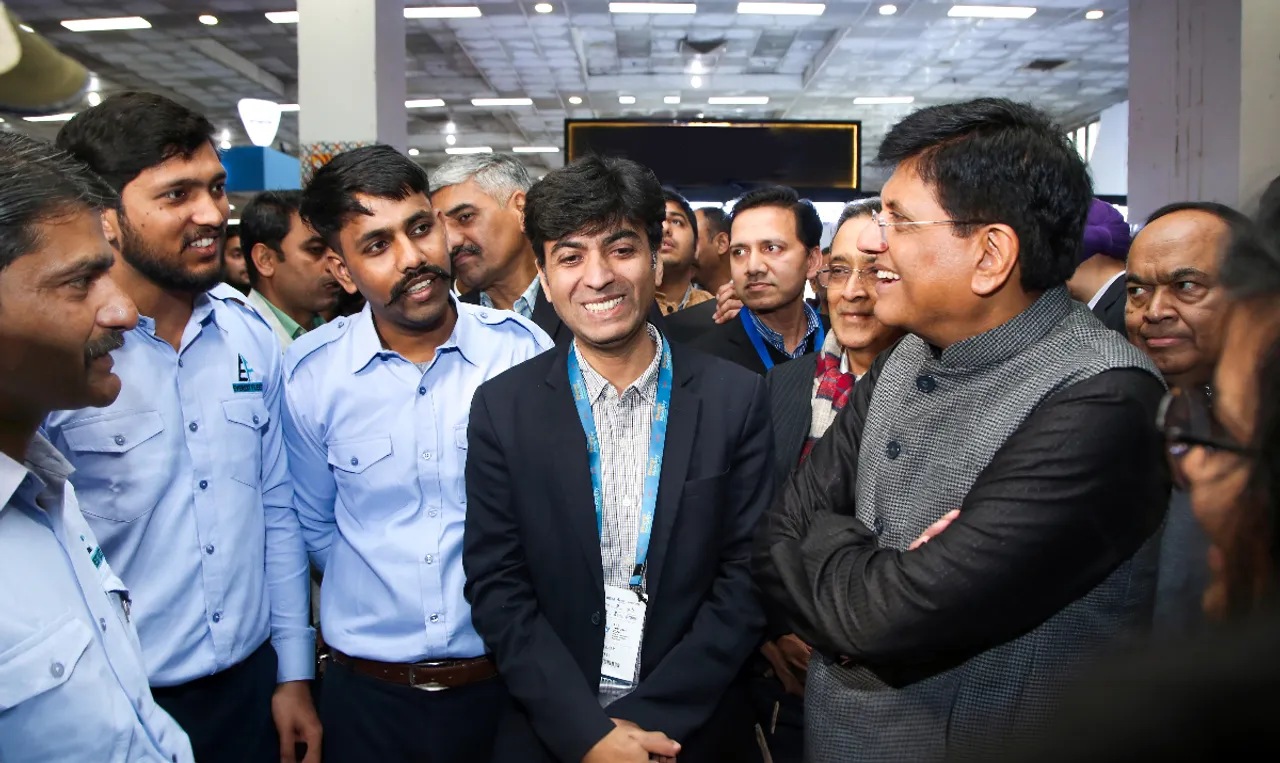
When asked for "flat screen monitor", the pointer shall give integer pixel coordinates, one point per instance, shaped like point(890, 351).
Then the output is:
point(724, 154)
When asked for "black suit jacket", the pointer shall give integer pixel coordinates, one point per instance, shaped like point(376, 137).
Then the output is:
point(688, 324)
point(545, 315)
point(791, 404)
point(729, 340)
point(534, 576)
point(1110, 309)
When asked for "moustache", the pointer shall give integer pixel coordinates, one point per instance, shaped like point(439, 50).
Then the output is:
point(462, 249)
point(402, 287)
point(103, 346)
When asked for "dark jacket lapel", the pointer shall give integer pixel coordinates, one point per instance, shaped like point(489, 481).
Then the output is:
point(791, 401)
point(545, 315)
point(682, 422)
point(572, 467)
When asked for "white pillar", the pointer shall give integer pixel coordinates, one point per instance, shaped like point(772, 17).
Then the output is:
point(351, 77)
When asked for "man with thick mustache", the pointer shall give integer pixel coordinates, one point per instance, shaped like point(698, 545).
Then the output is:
point(184, 477)
point(377, 439)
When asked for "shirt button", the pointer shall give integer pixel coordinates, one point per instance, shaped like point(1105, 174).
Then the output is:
point(435, 618)
point(893, 449)
point(422, 390)
point(483, 314)
point(204, 484)
point(430, 558)
point(193, 426)
point(878, 527)
point(355, 461)
point(926, 384)
point(208, 549)
point(433, 513)
point(255, 418)
point(426, 455)
point(341, 323)
point(102, 623)
point(56, 670)
point(119, 439)
point(217, 617)
point(179, 362)
point(595, 618)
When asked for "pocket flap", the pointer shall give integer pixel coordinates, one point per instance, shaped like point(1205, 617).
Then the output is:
point(356, 456)
point(42, 662)
point(116, 435)
point(249, 411)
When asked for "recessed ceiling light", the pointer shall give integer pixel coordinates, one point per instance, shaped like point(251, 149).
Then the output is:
point(990, 12)
point(536, 150)
point(51, 117)
point(671, 99)
point(501, 101)
point(226, 144)
point(450, 127)
point(626, 100)
point(695, 81)
point(424, 103)
point(469, 150)
point(282, 17)
point(543, 8)
point(696, 67)
point(25, 28)
point(882, 100)
point(575, 100)
point(288, 107)
point(888, 10)
point(653, 7)
point(233, 221)
point(208, 20)
point(106, 25)
point(94, 98)
point(224, 135)
point(1094, 15)
point(783, 9)
point(443, 12)
point(450, 139)
point(413, 152)
point(231, 206)
point(738, 100)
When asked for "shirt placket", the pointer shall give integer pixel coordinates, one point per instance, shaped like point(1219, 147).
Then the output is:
point(428, 444)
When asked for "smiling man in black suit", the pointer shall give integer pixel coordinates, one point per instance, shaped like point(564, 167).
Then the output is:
point(613, 487)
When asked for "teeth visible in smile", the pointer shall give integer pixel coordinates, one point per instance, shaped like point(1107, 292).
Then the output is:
point(420, 286)
point(202, 243)
point(887, 275)
point(603, 307)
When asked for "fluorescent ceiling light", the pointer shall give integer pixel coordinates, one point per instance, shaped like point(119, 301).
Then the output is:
point(783, 9)
point(208, 20)
point(288, 107)
point(626, 100)
point(469, 150)
point(575, 100)
point(888, 10)
point(424, 103)
point(882, 100)
point(543, 8)
point(282, 17)
point(501, 101)
point(443, 12)
point(25, 28)
point(1094, 15)
point(51, 118)
point(738, 100)
point(107, 25)
point(451, 139)
point(536, 150)
point(671, 99)
point(413, 152)
point(653, 8)
point(990, 12)
point(233, 221)
point(695, 81)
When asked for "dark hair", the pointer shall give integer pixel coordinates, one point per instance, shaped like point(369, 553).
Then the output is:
point(1233, 218)
point(379, 171)
point(592, 194)
point(995, 161)
point(856, 209)
point(717, 220)
point(233, 231)
point(42, 184)
point(808, 224)
point(671, 194)
point(131, 132)
point(267, 220)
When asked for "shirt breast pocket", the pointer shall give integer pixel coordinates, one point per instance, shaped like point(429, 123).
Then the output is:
point(120, 461)
point(43, 662)
point(247, 421)
point(353, 462)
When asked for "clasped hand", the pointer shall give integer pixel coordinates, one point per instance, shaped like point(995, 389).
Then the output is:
point(628, 743)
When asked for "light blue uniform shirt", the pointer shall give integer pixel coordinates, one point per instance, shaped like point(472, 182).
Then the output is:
point(73, 685)
point(378, 449)
point(185, 482)
point(524, 303)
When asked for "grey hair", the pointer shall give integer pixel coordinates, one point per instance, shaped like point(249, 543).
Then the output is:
point(498, 175)
point(859, 208)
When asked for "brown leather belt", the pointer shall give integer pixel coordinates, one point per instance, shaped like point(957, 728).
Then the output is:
point(428, 676)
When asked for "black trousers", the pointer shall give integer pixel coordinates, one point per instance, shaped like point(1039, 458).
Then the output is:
point(366, 719)
point(228, 715)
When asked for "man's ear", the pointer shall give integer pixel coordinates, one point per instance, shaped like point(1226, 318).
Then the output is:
point(997, 259)
point(264, 260)
point(813, 263)
point(722, 243)
point(338, 267)
point(111, 228)
point(657, 271)
point(517, 201)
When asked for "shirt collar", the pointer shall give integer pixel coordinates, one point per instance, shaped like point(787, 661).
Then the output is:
point(466, 338)
point(523, 304)
point(202, 310)
point(646, 385)
point(291, 327)
point(1098, 297)
point(779, 342)
point(1014, 336)
point(43, 462)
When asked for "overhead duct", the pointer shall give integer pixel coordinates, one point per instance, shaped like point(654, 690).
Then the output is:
point(34, 77)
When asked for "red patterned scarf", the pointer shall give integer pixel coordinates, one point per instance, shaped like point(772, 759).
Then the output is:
point(831, 390)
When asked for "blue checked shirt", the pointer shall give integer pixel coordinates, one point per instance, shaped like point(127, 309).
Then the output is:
point(523, 306)
point(73, 686)
point(184, 481)
point(776, 340)
point(378, 449)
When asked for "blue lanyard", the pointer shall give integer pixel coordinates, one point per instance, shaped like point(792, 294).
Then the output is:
point(653, 470)
point(757, 341)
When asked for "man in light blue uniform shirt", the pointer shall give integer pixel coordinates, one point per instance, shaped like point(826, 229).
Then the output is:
point(184, 478)
point(73, 685)
point(377, 437)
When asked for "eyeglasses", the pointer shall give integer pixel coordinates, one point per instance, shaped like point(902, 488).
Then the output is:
point(885, 225)
point(1187, 421)
point(838, 275)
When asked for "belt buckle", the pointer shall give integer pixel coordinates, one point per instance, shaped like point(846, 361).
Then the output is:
point(425, 685)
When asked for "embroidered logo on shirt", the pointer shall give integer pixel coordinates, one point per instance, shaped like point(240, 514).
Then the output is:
point(95, 554)
point(244, 373)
